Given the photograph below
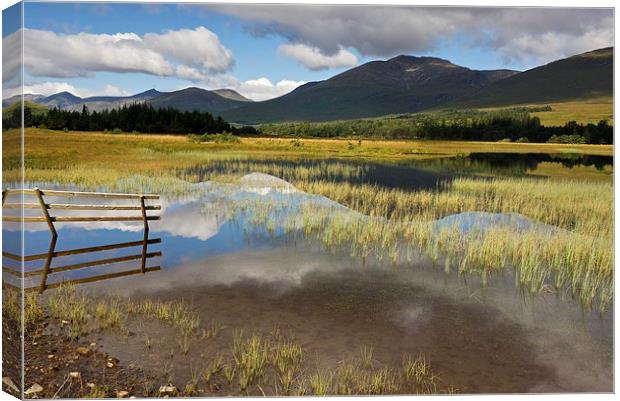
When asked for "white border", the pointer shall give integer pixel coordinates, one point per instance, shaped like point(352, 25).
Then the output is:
point(479, 3)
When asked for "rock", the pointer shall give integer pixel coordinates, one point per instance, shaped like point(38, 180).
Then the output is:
point(34, 389)
point(90, 385)
point(64, 322)
point(122, 394)
point(93, 344)
point(50, 356)
point(109, 364)
point(83, 351)
point(9, 383)
point(74, 375)
point(167, 390)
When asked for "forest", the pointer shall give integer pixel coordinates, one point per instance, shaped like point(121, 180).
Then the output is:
point(515, 125)
point(137, 117)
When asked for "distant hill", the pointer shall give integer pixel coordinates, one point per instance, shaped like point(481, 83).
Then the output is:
point(61, 100)
point(185, 99)
point(583, 76)
point(34, 107)
point(399, 85)
point(197, 99)
point(231, 94)
point(27, 97)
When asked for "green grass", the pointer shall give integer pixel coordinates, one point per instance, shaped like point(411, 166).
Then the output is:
point(583, 111)
point(35, 107)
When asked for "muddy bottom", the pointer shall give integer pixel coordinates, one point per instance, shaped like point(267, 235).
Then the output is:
point(479, 340)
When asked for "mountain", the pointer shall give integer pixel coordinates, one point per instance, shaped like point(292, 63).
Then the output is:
point(231, 94)
point(399, 85)
point(196, 99)
point(582, 76)
point(61, 100)
point(27, 98)
point(185, 99)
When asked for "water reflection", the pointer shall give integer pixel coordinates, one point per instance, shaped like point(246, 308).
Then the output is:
point(46, 211)
point(413, 174)
point(482, 338)
point(53, 276)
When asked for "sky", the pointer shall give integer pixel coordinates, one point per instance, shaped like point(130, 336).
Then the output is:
point(264, 51)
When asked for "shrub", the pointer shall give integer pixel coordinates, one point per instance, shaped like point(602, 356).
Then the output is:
point(522, 140)
point(574, 139)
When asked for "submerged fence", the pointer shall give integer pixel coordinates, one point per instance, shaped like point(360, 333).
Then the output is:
point(50, 217)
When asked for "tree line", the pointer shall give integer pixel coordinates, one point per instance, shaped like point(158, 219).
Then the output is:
point(139, 117)
point(515, 125)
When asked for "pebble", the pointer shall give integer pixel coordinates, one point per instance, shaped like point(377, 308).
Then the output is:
point(50, 356)
point(122, 394)
point(167, 390)
point(109, 365)
point(83, 351)
point(74, 375)
point(35, 388)
point(9, 383)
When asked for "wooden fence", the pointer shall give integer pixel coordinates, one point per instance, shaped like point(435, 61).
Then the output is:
point(48, 209)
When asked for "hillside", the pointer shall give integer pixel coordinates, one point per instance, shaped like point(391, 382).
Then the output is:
point(196, 99)
point(583, 76)
point(399, 85)
point(34, 107)
point(231, 94)
point(9, 101)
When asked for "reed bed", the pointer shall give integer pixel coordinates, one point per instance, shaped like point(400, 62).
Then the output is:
point(580, 206)
point(571, 254)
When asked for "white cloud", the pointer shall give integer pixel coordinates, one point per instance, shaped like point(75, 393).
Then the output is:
point(263, 88)
point(186, 53)
point(517, 34)
point(313, 59)
point(255, 89)
point(109, 90)
point(50, 88)
point(196, 47)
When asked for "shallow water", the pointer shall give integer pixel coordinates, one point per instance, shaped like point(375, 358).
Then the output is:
point(479, 338)
point(414, 174)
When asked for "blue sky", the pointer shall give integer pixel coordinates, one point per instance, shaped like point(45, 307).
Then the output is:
point(288, 45)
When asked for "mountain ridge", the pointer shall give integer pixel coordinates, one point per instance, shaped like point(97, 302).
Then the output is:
point(401, 84)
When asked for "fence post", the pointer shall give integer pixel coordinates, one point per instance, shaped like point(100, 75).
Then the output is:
point(146, 234)
point(52, 248)
point(46, 213)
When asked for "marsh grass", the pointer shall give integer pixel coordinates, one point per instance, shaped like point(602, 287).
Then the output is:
point(255, 364)
point(287, 357)
point(572, 253)
point(66, 304)
point(251, 356)
point(321, 382)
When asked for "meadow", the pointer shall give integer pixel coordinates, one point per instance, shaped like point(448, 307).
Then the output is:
point(122, 160)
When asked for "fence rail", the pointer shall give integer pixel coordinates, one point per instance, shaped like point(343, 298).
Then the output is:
point(46, 217)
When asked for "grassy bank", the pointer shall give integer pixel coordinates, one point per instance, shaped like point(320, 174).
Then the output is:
point(583, 111)
point(94, 160)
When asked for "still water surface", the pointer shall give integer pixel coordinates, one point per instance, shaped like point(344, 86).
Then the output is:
point(479, 338)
